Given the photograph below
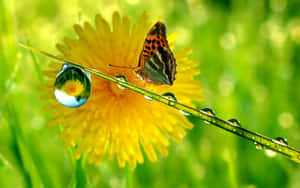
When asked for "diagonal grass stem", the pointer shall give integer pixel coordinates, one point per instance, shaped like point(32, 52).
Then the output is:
point(210, 118)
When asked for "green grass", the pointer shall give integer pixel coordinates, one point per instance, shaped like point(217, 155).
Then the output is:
point(249, 59)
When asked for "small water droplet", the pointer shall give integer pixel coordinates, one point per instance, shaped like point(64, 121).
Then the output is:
point(207, 122)
point(170, 96)
point(270, 153)
point(121, 78)
point(72, 86)
point(148, 98)
point(184, 113)
point(281, 141)
point(235, 122)
point(209, 111)
point(259, 146)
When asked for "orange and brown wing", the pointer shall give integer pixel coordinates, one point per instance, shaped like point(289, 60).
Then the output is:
point(155, 38)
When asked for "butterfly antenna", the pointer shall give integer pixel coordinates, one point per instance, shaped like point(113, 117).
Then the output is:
point(123, 67)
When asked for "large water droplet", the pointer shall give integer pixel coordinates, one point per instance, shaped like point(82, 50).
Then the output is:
point(235, 122)
point(281, 141)
point(209, 111)
point(170, 96)
point(72, 86)
point(121, 78)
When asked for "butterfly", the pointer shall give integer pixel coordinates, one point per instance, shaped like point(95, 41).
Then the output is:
point(157, 64)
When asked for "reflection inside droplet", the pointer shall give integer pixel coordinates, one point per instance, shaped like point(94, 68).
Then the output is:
point(72, 86)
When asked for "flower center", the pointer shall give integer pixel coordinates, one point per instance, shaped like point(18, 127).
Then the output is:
point(117, 91)
point(73, 87)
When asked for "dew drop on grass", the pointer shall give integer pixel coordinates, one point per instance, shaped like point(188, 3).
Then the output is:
point(259, 146)
point(184, 113)
point(207, 122)
point(170, 96)
point(72, 86)
point(270, 153)
point(235, 122)
point(281, 141)
point(121, 78)
point(208, 111)
point(148, 98)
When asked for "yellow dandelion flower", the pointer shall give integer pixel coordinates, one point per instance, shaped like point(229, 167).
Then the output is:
point(119, 122)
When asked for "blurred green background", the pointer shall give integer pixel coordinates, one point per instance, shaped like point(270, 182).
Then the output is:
point(249, 54)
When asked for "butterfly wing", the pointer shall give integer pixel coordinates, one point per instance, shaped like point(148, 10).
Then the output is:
point(160, 69)
point(156, 37)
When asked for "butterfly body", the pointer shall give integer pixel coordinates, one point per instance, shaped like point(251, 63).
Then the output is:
point(157, 63)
